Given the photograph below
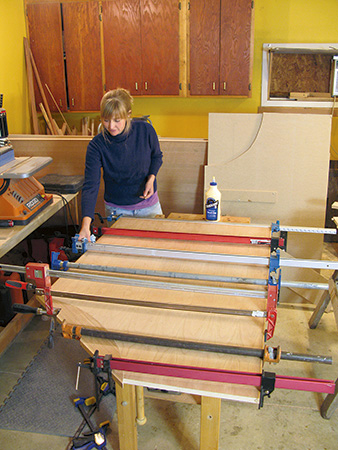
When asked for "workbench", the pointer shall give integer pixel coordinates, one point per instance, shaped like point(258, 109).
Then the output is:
point(9, 238)
point(160, 303)
point(186, 325)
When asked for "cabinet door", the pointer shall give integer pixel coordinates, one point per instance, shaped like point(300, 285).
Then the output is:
point(160, 46)
point(235, 56)
point(45, 37)
point(82, 44)
point(220, 47)
point(204, 47)
point(122, 45)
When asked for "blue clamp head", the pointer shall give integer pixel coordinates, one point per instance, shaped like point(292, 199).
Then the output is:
point(57, 264)
point(274, 268)
point(113, 217)
point(81, 246)
point(275, 227)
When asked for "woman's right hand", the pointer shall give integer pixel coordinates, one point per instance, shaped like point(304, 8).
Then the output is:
point(85, 229)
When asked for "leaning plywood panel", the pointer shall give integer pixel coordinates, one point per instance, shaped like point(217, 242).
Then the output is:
point(273, 167)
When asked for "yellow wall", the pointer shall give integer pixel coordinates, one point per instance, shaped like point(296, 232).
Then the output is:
point(275, 21)
point(13, 72)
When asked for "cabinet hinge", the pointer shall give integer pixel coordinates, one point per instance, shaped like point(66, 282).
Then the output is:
point(180, 86)
point(249, 86)
point(252, 4)
point(188, 6)
point(180, 6)
point(100, 13)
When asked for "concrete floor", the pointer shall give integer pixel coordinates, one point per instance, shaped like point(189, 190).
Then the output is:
point(289, 420)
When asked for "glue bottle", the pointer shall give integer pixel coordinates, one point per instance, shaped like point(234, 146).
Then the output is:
point(213, 202)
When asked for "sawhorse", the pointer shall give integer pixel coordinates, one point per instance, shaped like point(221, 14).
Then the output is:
point(331, 401)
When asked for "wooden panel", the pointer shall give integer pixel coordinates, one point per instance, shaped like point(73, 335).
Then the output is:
point(181, 178)
point(184, 325)
point(122, 45)
point(299, 73)
point(299, 178)
point(160, 46)
point(235, 54)
point(204, 47)
point(45, 37)
point(83, 57)
point(180, 190)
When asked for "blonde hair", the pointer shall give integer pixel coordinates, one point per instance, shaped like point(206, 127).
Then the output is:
point(116, 104)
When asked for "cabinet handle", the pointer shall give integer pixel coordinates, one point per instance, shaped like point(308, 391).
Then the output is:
point(136, 86)
point(146, 85)
point(224, 86)
point(213, 86)
point(73, 102)
point(60, 102)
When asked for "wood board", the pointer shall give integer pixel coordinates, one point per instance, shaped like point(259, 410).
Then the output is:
point(184, 325)
point(276, 169)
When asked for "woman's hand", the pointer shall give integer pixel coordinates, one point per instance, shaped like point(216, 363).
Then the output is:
point(149, 187)
point(85, 229)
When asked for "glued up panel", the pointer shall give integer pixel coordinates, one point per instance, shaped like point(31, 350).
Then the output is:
point(183, 325)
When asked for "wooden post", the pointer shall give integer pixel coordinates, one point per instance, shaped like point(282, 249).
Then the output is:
point(29, 69)
point(140, 417)
point(210, 422)
point(126, 414)
point(42, 92)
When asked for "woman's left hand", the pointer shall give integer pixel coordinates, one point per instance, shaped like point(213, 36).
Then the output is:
point(149, 187)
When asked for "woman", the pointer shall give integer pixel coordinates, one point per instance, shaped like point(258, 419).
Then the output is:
point(129, 154)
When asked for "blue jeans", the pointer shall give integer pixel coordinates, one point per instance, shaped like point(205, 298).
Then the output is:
point(149, 212)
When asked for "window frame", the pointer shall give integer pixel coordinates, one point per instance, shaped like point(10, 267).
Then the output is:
point(293, 48)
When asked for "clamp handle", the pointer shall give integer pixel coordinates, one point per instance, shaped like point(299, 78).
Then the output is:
point(21, 285)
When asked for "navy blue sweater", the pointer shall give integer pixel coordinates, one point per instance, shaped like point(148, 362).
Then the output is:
point(127, 160)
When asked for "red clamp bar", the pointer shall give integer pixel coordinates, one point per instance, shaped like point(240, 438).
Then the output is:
point(185, 236)
point(216, 375)
point(271, 310)
point(39, 272)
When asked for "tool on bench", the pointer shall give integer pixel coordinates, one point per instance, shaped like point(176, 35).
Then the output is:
point(39, 274)
point(80, 246)
point(70, 331)
point(22, 197)
point(265, 381)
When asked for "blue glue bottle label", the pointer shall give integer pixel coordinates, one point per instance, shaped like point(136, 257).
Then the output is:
point(211, 209)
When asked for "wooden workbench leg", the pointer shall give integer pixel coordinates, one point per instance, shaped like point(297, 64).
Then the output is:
point(320, 309)
point(126, 416)
point(210, 422)
point(325, 300)
point(330, 404)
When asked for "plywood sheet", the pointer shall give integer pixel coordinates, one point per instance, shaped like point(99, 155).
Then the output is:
point(183, 325)
point(286, 155)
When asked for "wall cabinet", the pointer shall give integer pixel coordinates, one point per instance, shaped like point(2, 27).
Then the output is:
point(81, 32)
point(44, 26)
point(151, 47)
point(138, 54)
point(220, 47)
